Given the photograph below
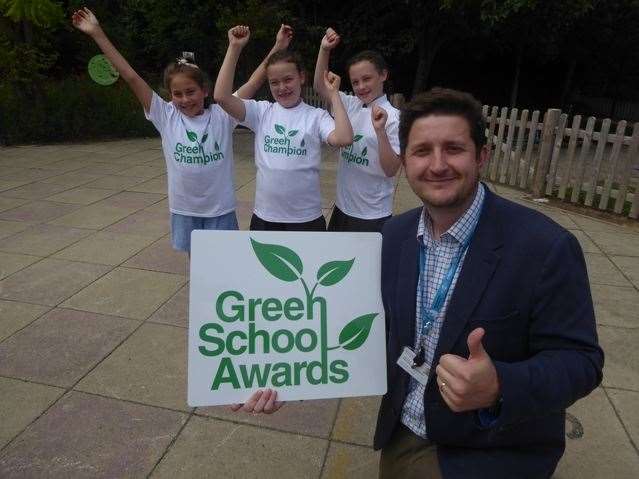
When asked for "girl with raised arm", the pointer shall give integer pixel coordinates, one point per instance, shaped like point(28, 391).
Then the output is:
point(288, 137)
point(365, 172)
point(196, 138)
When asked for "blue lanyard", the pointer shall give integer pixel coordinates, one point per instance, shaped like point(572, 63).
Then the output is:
point(429, 315)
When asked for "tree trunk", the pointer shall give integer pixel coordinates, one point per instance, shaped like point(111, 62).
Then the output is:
point(565, 90)
point(426, 51)
point(514, 91)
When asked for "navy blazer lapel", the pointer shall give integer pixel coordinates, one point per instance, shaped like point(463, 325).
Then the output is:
point(407, 287)
point(478, 267)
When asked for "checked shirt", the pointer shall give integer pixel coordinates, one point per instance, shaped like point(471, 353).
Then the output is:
point(439, 256)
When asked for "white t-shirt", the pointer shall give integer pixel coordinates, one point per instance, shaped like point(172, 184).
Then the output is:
point(363, 189)
point(199, 158)
point(287, 155)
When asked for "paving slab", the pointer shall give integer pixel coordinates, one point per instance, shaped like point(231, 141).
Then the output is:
point(587, 245)
point(42, 239)
point(160, 256)
point(210, 448)
point(352, 462)
point(615, 305)
point(37, 211)
point(159, 207)
point(113, 182)
point(104, 247)
point(356, 420)
point(151, 223)
point(310, 418)
point(100, 168)
point(34, 191)
point(175, 311)
point(629, 266)
point(49, 281)
point(615, 243)
point(94, 437)
point(625, 403)
point(155, 185)
point(69, 165)
point(11, 184)
point(149, 368)
point(10, 203)
point(95, 216)
point(10, 228)
point(141, 171)
point(603, 450)
point(133, 199)
point(71, 179)
point(622, 357)
point(602, 271)
point(29, 174)
point(10, 263)
point(22, 402)
point(81, 196)
point(126, 292)
point(591, 225)
point(15, 316)
point(62, 346)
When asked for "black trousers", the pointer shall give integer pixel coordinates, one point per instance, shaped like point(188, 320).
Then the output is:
point(340, 221)
point(258, 224)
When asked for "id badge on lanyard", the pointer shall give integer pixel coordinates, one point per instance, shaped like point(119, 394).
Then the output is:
point(414, 363)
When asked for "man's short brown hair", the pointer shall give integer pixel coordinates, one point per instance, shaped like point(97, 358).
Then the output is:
point(443, 101)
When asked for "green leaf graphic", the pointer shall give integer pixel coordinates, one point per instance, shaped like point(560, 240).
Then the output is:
point(333, 272)
point(280, 129)
point(280, 261)
point(292, 132)
point(302, 143)
point(191, 134)
point(357, 138)
point(364, 151)
point(206, 135)
point(356, 332)
point(217, 147)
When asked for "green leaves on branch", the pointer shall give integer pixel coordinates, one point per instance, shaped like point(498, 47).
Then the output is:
point(355, 333)
point(43, 13)
point(280, 129)
point(280, 261)
point(333, 272)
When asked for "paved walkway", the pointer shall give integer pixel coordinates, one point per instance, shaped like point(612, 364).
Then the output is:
point(93, 317)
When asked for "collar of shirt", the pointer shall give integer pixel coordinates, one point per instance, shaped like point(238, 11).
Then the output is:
point(461, 230)
point(380, 101)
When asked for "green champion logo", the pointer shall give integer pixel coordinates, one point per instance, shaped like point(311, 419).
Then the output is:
point(231, 306)
point(282, 144)
point(351, 157)
point(195, 154)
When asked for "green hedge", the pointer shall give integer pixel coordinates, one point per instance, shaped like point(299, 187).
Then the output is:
point(73, 109)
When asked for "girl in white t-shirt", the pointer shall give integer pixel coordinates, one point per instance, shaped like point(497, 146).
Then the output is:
point(197, 139)
point(288, 137)
point(365, 183)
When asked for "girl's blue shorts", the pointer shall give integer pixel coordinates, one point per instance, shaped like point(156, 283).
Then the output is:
point(181, 227)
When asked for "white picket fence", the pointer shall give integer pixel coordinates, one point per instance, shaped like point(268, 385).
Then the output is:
point(572, 162)
point(583, 162)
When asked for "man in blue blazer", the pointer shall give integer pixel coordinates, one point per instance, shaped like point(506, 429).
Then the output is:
point(490, 323)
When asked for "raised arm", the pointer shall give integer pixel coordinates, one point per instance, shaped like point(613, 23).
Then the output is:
point(342, 135)
point(254, 83)
point(330, 41)
point(85, 21)
point(388, 159)
point(223, 93)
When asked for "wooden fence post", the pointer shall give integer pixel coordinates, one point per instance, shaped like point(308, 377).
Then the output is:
point(545, 153)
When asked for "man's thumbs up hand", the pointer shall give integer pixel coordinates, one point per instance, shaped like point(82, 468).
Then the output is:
point(468, 384)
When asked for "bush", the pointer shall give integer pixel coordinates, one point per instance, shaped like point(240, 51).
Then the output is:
point(73, 109)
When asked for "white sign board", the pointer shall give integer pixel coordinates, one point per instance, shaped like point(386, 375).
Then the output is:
point(300, 313)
